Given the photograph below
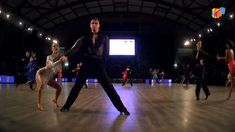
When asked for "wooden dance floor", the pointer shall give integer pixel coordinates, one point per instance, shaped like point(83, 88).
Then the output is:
point(161, 108)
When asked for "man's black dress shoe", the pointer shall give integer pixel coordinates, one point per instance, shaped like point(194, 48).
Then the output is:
point(125, 112)
point(64, 110)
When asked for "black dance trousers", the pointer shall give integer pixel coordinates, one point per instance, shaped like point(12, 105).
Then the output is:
point(201, 82)
point(125, 81)
point(94, 68)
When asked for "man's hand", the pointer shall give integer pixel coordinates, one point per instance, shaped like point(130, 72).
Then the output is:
point(63, 58)
point(202, 62)
point(218, 58)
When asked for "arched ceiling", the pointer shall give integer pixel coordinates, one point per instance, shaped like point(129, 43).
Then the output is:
point(48, 14)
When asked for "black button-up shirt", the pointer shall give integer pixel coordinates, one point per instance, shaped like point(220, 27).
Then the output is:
point(98, 50)
point(88, 50)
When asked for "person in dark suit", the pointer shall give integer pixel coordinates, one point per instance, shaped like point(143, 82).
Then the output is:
point(200, 71)
point(93, 49)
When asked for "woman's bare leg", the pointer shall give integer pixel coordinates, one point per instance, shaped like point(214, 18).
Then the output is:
point(40, 107)
point(40, 87)
point(231, 87)
point(55, 85)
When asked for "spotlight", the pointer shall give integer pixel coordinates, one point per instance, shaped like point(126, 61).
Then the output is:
point(8, 16)
point(29, 29)
point(55, 41)
point(231, 16)
point(39, 34)
point(186, 43)
point(66, 64)
point(0, 11)
point(20, 23)
point(169, 81)
point(48, 38)
point(175, 65)
point(209, 30)
point(218, 24)
point(199, 35)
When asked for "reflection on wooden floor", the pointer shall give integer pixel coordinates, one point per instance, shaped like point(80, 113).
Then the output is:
point(163, 108)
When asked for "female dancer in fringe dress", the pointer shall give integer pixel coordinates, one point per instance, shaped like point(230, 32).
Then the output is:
point(229, 58)
point(44, 76)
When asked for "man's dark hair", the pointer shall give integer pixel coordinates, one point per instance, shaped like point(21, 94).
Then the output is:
point(229, 43)
point(95, 18)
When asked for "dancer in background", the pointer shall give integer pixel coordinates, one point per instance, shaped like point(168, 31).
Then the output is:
point(186, 75)
point(77, 70)
point(60, 75)
point(124, 75)
point(200, 71)
point(94, 47)
point(229, 58)
point(155, 74)
point(162, 74)
point(22, 72)
point(150, 75)
point(45, 75)
point(127, 74)
point(32, 68)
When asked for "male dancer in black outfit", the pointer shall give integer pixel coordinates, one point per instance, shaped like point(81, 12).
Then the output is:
point(93, 48)
point(200, 71)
